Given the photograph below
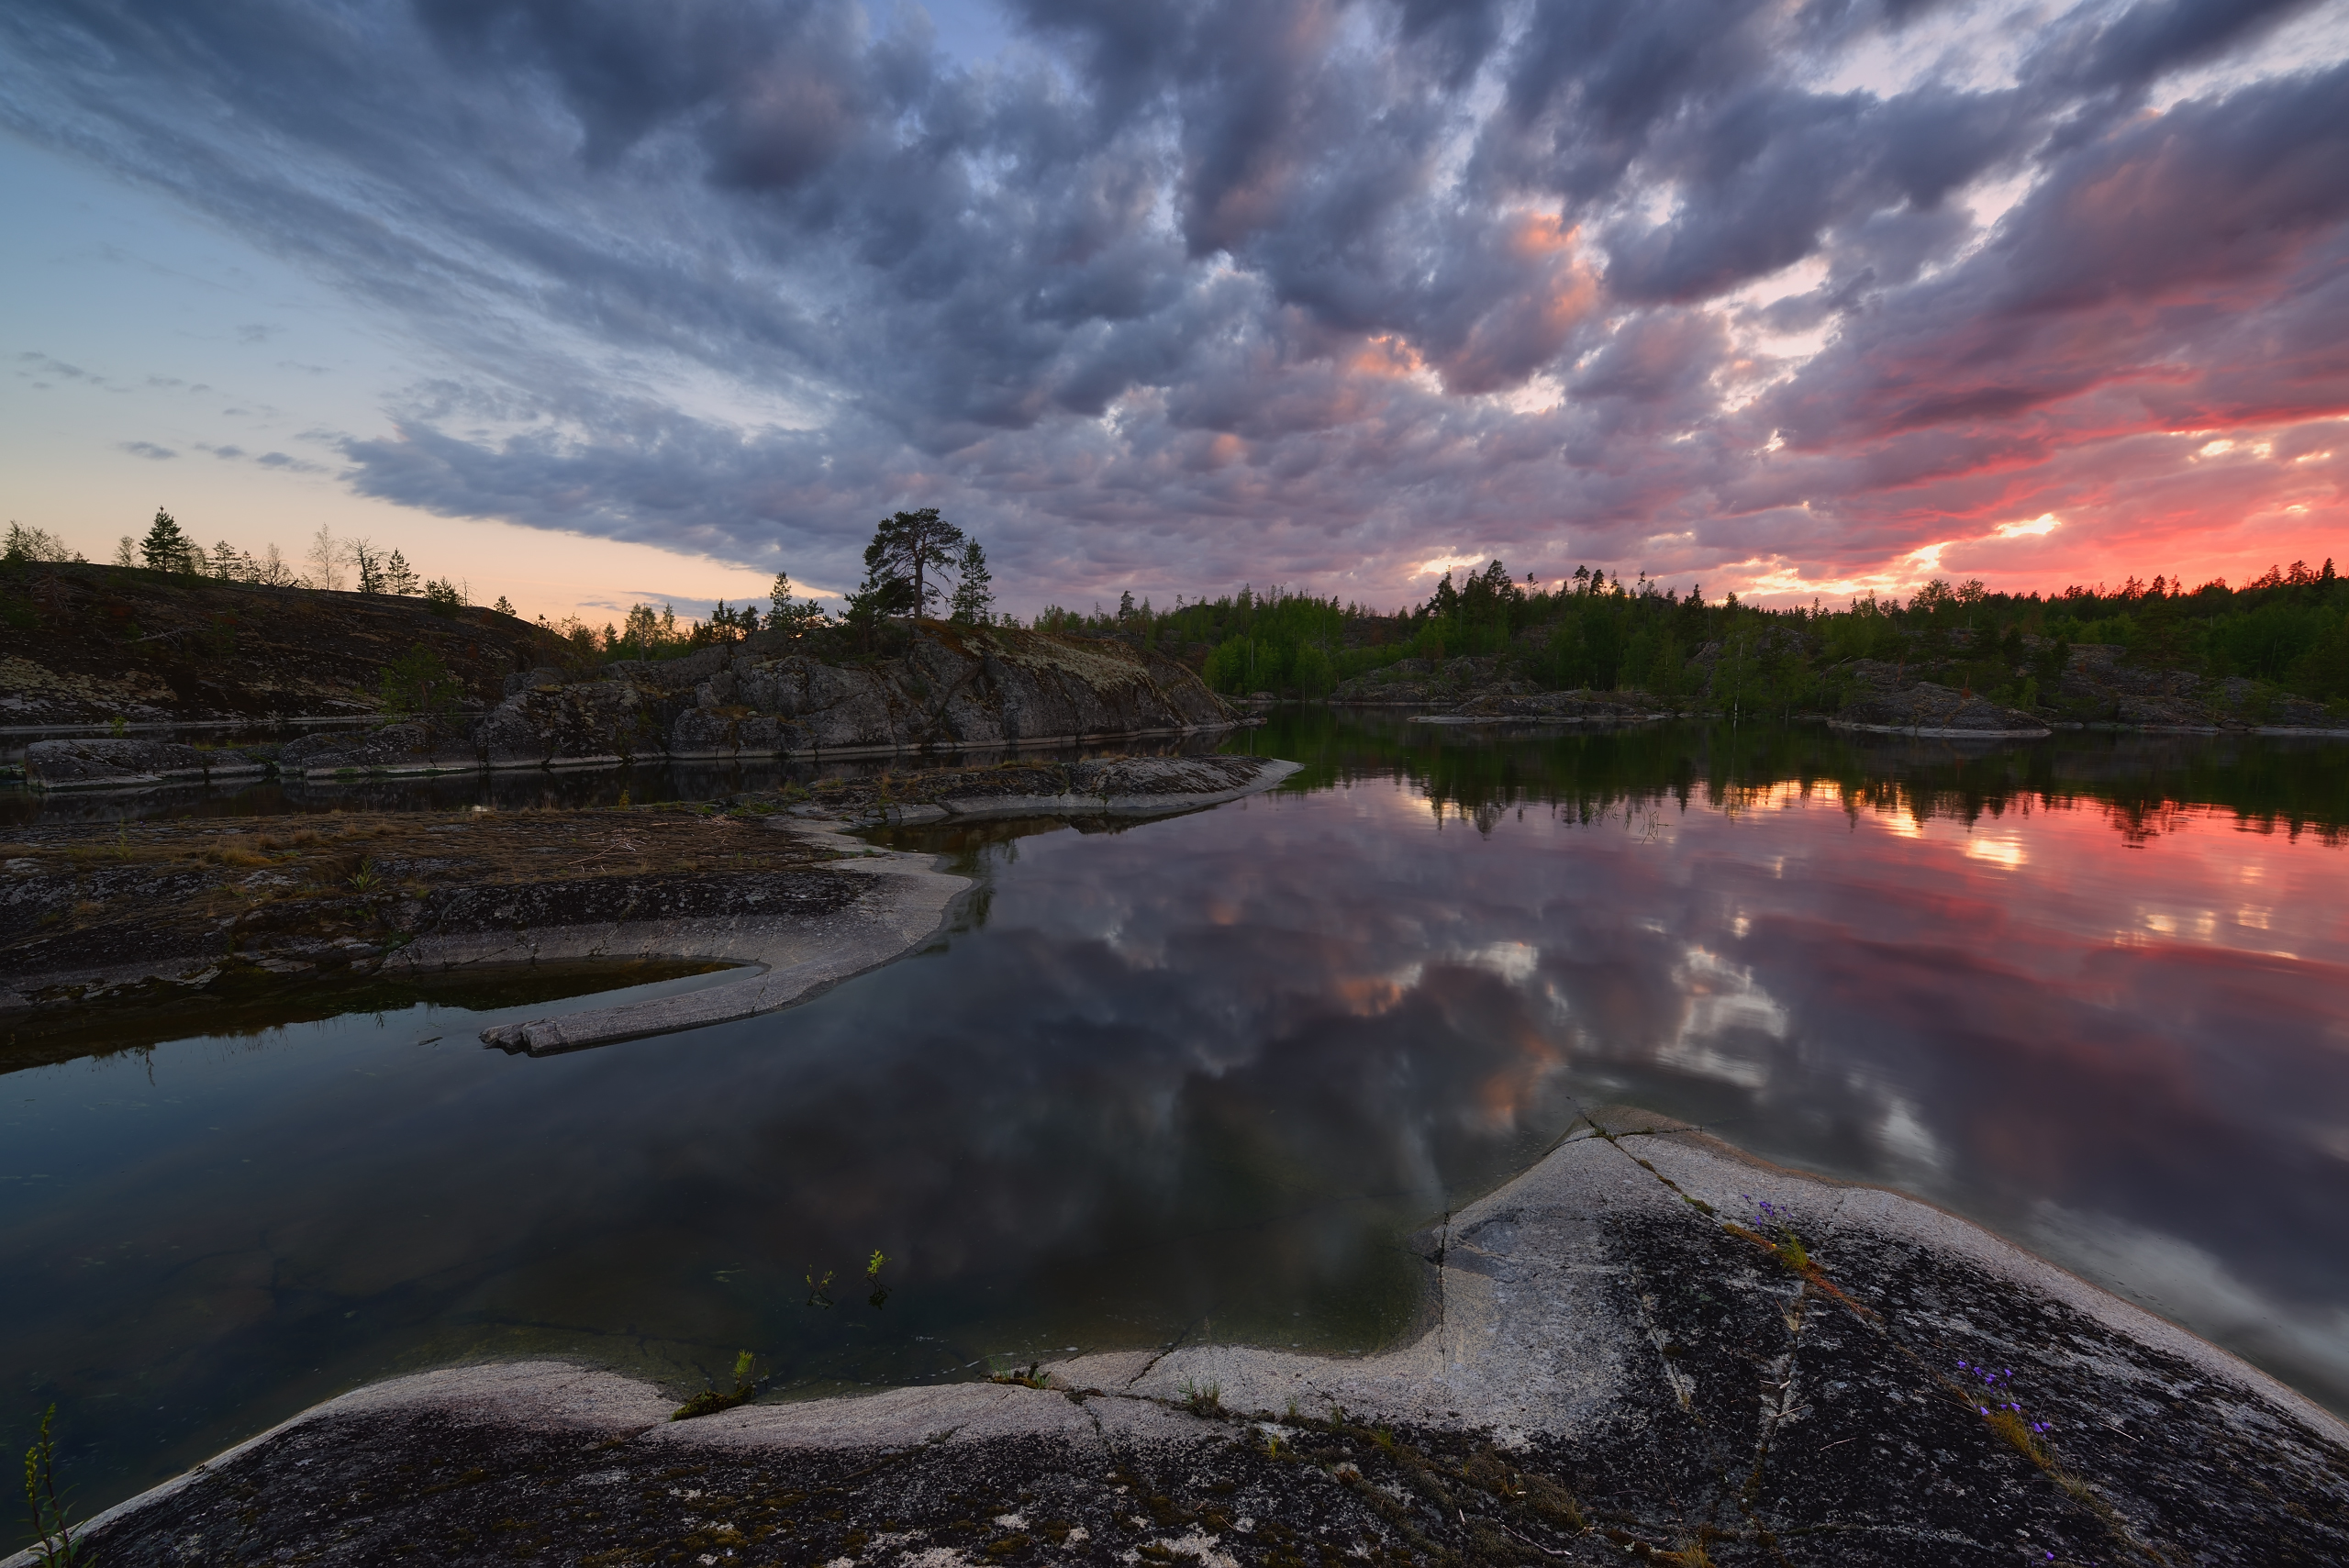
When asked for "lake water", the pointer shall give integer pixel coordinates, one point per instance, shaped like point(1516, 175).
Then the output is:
point(1202, 1076)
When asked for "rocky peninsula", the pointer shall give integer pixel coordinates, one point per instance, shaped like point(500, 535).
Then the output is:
point(520, 699)
point(1646, 1347)
point(172, 913)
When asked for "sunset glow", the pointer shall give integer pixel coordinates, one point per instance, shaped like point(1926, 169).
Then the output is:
point(594, 303)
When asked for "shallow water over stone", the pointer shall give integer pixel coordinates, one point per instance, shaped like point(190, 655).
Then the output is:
point(1202, 1076)
point(644, 781)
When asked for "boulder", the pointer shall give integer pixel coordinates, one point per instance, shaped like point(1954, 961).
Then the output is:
point(417, 746)
point(131, 763)
point(1571, 707)
point(1929, 709)
point(585, 723)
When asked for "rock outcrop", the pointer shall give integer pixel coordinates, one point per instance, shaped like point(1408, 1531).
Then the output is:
point(188, 910)
point(133, 763)
point(2099, 685)
point(1099, 787)
point(1424, 683)
point(1630, 1358)
point(85, 644)
point(1928, 709)
point(953, 688)
point(1568, 707)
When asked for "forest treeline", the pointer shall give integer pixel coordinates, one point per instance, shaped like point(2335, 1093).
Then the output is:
point(333, 564)
point(2288, 627)
point(2145, 786)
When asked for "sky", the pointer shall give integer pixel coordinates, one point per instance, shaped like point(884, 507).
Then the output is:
point(589, 302)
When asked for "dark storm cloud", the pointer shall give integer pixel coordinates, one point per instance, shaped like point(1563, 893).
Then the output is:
point(2145, 260)
point(1183, 293)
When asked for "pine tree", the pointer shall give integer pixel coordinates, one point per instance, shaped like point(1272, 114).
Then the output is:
point(398, 578)
point(371, 579)
point(974, 601)
point(793, 617)
point(502, 607)
point(166, 548)
point(907, 547)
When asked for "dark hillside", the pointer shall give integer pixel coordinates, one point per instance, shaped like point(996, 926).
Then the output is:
point(86, 644)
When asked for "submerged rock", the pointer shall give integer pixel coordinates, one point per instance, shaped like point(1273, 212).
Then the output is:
point(1099, 787)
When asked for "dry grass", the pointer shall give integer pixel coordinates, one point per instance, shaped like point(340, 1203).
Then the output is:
point(413, 852)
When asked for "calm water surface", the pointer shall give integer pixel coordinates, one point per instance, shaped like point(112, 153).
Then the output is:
point(1201, 1076)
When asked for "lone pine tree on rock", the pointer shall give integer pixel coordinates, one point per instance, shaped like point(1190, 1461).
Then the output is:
point(166, 548)
point(908, 550)
point(974, 600)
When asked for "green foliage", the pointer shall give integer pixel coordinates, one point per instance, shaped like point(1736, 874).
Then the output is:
point(709, 1401)
point(441, 597)
point(373, 570)
point(974, 600)
point(54, 1546)
point(903, 564)
point(725, 625)
point(2289, 628)
point(794, 617)
point(419, 685)
point(26, 547)
point(166, 548)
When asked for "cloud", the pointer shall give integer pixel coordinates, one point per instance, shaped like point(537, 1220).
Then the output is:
point(148, 450)
point(1177, 296)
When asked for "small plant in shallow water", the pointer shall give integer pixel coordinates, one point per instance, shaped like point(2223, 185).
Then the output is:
point(1035, 1376)
point(55, 1546)
point(873, 1278)
point(819, 1291)
point(709, 1401)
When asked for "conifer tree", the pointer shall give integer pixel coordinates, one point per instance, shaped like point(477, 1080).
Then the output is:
point(907, 548)
point(793, 616)
point(165, 548)
point(974, 601)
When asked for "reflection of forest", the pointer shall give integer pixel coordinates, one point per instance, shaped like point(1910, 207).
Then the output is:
point(2270, 782)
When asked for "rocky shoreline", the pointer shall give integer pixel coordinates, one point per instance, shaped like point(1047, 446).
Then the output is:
point(794, 960)
point(767, 882)
point(947, 689)
point(1647, 1346)
point(2096, 686)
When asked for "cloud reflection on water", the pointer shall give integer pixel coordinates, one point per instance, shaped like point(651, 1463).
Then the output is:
point(1197, 1077)
point(2056, 1026)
